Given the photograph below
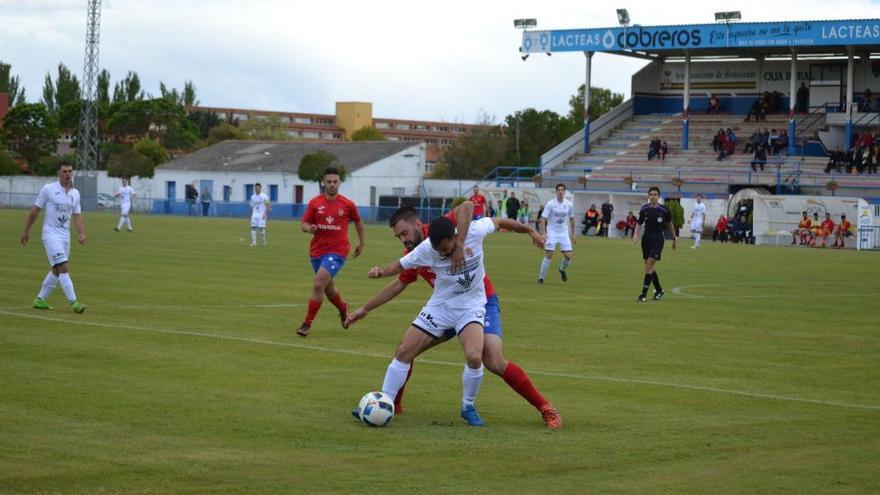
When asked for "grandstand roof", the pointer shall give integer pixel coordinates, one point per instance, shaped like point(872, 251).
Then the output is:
point(735, 39)
point(268, 156)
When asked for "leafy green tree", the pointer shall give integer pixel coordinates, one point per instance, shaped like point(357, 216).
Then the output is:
point(129, 89)
point(368, 133)
point(204, 121)
point(103, 87)
point(601, 101)
point(312, 165)
point(130, 163)
point(152, 150)
point(224, 132)
point(472, 156)
point(8, 165)
point(129, 118)
point(531, 132)
point(30, 131)
point(64, 91)
point(180, 134)
point(49, 94)
point(264, 128)
point(68, 117)
point(11, 85)
point(189, 95)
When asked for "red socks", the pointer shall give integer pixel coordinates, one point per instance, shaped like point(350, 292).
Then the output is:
point(314, 306)
point(337, 301)
point(519, 381)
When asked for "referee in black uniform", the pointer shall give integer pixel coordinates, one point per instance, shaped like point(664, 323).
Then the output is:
point(656, 220)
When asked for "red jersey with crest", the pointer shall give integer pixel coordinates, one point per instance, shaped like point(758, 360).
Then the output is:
point(331, 216)
point(411, 275)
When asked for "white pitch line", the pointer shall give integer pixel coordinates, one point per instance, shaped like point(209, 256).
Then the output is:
point(234, 338)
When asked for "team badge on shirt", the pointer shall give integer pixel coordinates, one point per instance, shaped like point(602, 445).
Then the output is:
point(329, 219)
point(340, 212)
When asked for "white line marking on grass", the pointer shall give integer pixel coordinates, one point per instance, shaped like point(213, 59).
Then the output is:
point(680, 291)
point(634, 381)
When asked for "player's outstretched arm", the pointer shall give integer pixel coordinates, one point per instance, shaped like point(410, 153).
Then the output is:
point(28, 223)
point(359, 227)
point(389, 270)
point(520, 228)
point(389, 292)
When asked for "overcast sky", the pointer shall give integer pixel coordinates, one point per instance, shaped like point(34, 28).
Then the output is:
point(449, 61)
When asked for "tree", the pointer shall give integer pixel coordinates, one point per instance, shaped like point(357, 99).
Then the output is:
point(472, 156)
point(223, 132)
point(204, 122)
point(129, 89)
point(152, 150)
point(264, 128)
point(601, 101)
point(531, 132)
point(181, 134)
point(30, 131)
point(11, 85)
point(312, 165)
point(367, 133)
point(130, 163)
point(64, 91)
point(189, 95)
point(8, 166)
point(103, 87)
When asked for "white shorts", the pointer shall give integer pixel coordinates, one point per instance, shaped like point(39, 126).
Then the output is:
point(124, 209)
point(258, 222)
point(435, 320)
point(57, 250)
point(553, 240)
point(696, 226)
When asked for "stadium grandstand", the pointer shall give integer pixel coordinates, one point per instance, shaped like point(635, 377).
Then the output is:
point(810, 80)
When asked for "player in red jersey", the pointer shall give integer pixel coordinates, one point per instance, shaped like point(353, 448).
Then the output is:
point(479, 203)
point(411, 231)
point(326, 218)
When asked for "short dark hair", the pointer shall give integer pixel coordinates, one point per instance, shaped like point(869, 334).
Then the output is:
point(441, 229)
point(404, 213)
point(842, 216)
point(64, 163)
point(654, 188)
point(258, 184)
point(559, 185)
point(331, 171)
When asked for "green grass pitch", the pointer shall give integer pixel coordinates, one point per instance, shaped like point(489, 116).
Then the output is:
point(757, 373)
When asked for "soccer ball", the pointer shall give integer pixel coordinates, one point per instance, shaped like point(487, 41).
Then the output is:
point(376, 409)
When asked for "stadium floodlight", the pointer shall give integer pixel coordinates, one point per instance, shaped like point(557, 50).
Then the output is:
point(728, 16)
point(525, 23)
point(623, 17)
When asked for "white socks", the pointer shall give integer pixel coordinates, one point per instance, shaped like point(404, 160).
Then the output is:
point(124, 220)
point(395, 378)
point(265, 236)
point(697, 236)
point(470, 384)
point(49, 284)
point(565, 263)
point(67, 286)
point(253, 237)
point(545, 264)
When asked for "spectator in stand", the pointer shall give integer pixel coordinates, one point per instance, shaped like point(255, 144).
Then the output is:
point(490, 213)
point(815, 229)
point(714, 105)
point(513, 206)
point(771, 140)
point(591, 220)
point(479, 202)
point(781, 142)
point(836, 159)
point(663, 150)
point(731, 135)
point(741, 230)
point(867, 101)
point(803, 99)
point(765, 136)
point(502, 205)
point(853, 160)
point(721, 232)
point(717, 141)
point(727, 146)
point(803, 229)
point(843, 231)
point(760, 158)
point(607, 215)
point(755, 110)
point(825, 231)
point(499, 210)
point(630, 224)
point(754, 141)
point(653, 148)
point(774, 101)
point(872, 165)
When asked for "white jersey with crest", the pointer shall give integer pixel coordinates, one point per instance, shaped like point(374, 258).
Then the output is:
point(258, 204)
point(557, 214)
point(699, 215)
point(59, 206)
point(463, 289)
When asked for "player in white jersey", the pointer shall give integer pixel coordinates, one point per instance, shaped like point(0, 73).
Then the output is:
point(260, 209)
point(557, 223)
point(457, 304)
point(696, 220)
point(61, 204)
point(126, 195)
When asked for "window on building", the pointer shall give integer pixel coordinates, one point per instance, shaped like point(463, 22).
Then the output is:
point(285, 120)
point(398, 191)
point(273, 193)
point(402, 127)
point(311, 134)
point(303, 120)
point(293, 133)
point(382, 125)
point(241, 117)
point(248, 191)
point(429, 167)
point(393, 138)
point(227, 193)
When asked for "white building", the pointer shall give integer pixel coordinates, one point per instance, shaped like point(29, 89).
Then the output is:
point(228, 171)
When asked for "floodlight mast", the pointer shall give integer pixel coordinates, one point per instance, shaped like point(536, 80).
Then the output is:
point(87, 138)
point(726, 18)
point(623, 17)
